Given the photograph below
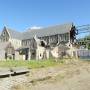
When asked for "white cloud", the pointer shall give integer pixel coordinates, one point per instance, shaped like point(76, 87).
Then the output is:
point(35, 27)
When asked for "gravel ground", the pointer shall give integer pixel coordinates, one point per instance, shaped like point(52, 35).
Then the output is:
point(69, 77)
point(9, 82)
point(72, 76)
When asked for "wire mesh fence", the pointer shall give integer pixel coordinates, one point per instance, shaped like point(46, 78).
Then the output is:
point(83, 54)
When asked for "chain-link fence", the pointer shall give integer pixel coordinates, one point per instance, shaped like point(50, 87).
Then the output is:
point(83, 54)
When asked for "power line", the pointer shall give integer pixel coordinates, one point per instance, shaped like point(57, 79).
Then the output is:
point(83, 29)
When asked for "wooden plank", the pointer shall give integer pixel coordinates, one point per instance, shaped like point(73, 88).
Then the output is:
point(13, 72)
point(5, 73)
point(18, 71)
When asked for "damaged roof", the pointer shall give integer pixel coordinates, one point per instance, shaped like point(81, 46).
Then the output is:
point(13, 33)
point(53, 30)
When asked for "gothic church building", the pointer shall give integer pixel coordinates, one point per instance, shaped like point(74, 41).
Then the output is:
point(22, 46)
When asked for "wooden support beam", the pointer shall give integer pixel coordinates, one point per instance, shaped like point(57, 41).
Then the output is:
point(18, 71)
point(13, 72)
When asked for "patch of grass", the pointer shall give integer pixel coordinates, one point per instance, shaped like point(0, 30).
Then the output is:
point(30, 64)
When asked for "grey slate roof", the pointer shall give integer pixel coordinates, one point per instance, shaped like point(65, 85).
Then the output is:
point(58, 29)
point(52, 30)
point(14, 34)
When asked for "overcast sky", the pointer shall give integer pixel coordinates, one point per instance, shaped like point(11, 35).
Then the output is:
point(23, 14)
